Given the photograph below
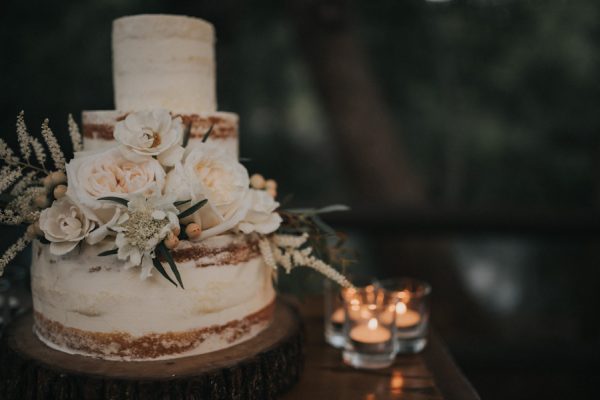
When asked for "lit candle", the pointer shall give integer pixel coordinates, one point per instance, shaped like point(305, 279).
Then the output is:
point(370, 336)
point(405, 317)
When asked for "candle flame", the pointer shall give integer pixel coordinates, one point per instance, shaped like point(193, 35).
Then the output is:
point(372, 324)
point(400, 308)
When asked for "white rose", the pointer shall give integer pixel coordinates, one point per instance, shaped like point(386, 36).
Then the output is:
point(208, 172)
point(92, 175)
point(261, 216)
point(65, 224)
point(150, 133)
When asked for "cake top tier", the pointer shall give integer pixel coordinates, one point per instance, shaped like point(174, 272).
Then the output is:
point(164, 61)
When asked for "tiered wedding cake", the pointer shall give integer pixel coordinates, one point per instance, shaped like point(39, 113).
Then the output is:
point(91, 304)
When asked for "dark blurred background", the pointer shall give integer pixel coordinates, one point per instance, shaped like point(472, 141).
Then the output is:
point(464, 134)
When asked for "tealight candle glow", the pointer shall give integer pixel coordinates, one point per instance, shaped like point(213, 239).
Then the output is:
point(370, 333)
point(405, 317)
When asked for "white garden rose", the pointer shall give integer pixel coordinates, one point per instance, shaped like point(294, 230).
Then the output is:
point(151, 133)
point(261, 216)
point(65, 224)
point(92, 175)
point(208, 172)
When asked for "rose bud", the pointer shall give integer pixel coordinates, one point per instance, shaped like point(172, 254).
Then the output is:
point(41, 201)
point(171, 241)
point(271, 184)
point(58, 177)
point(60, 191)
point(193, 231)
point(257, 181)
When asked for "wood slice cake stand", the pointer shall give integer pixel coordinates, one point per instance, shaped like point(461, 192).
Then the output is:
point(260, 368)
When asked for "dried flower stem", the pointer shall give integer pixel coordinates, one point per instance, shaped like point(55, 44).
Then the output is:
point(75, 134)
point(53, 146)
point(12, 252)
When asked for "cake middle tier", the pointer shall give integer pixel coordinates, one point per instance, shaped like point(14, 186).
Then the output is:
point(98, 128)
point(91, 305)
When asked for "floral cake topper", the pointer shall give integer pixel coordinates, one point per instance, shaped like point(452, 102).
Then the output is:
point(143, 196)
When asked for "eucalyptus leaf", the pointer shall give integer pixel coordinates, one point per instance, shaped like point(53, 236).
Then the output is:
point(108, 253)
point(186, 134)
point(159, 268)
point(162, 249)
point(207, 134)
point(322, 225)
point(192, 209)
point(181, 202)
point(316, 211)
point(119, 200)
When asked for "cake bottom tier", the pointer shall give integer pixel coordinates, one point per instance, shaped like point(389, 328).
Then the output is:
point(91, 305)
point(155, 346)
point(262, 367)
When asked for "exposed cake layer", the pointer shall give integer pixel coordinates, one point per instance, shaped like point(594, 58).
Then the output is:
point(98, 127)
point(164, 61)
point(86, 304)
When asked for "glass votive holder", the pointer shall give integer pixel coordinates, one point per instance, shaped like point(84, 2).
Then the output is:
point(369, 329)
point(334, 312)
point(412, 312)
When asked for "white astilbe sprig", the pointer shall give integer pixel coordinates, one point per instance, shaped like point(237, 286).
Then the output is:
point(75, 134)
point(267, 253)
point(38, 150)
point(287, 251)
point(9, 217)
point(23, 136)
point(12, 252)
point(7, 154)
point(8, 176)
point(55, 152)
point(23, 205)
point(29, 179)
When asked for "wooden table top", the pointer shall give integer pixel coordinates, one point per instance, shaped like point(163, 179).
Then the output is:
point(430, 375)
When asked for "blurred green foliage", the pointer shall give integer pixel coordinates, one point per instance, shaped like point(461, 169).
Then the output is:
point(495, 100)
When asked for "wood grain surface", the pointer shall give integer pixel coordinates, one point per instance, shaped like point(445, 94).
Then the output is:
point(430, 375)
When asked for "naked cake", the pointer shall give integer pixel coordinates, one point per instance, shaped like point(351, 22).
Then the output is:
point(153, 242)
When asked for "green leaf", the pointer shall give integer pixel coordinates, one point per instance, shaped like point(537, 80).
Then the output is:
point(181, 202)
point(159, 268)
point(108, 252)
point(322, 225)
point(207, 134)
point(162, 249)
point(192, 209)
point(186, 134)
point(316, 211)
point(119, 200)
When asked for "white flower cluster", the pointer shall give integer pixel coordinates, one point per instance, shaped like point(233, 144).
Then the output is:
point(288, 252)
point(133, 193)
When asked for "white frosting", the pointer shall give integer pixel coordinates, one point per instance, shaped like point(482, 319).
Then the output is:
point(164, 61)
point(117, 300)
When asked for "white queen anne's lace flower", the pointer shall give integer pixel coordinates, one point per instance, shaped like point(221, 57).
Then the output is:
point(145, 224)
point(150, 133)
point(65, 224)
point(208, 172)
point(261, 216)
